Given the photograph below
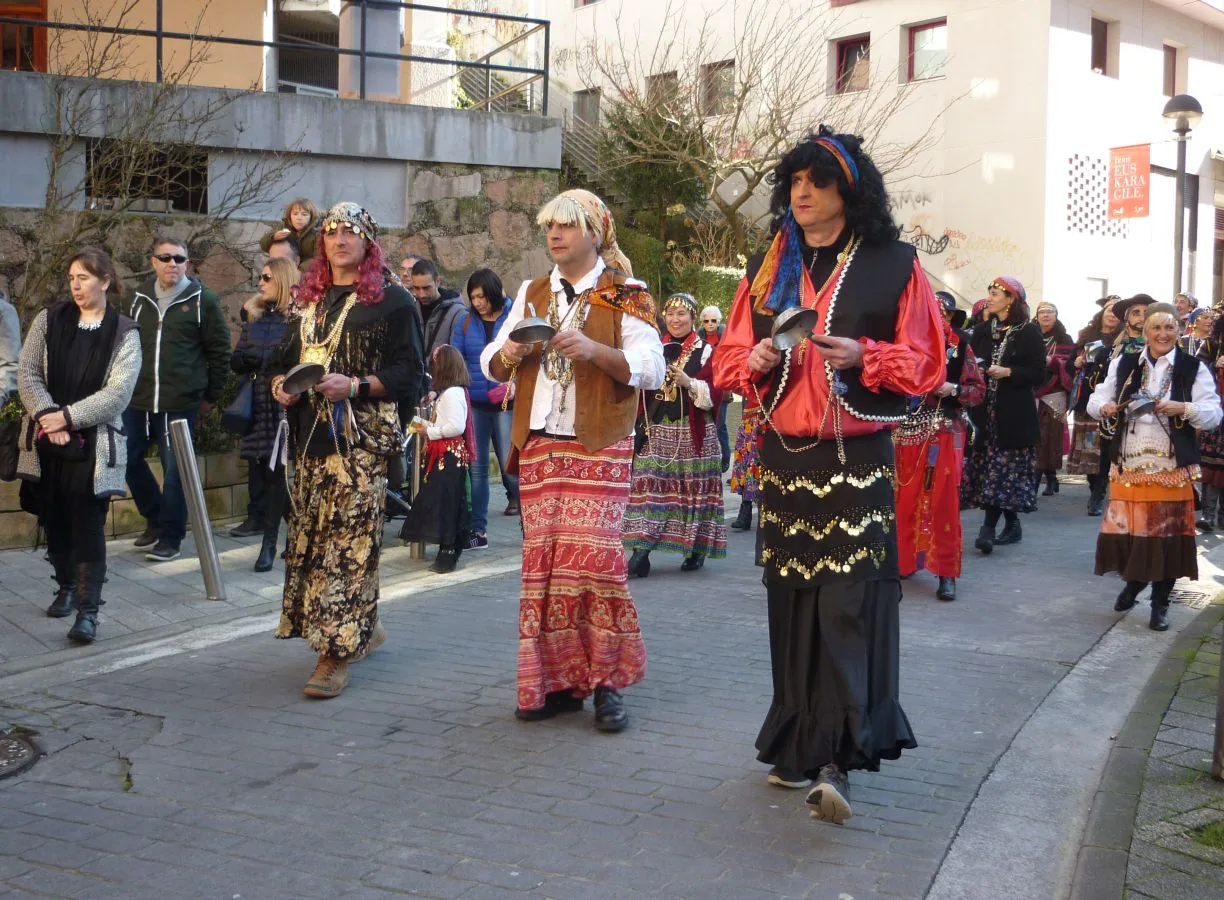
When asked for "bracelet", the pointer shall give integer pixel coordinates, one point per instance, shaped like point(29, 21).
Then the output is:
point(510, 364)
point(277, 381)
point(353, 388)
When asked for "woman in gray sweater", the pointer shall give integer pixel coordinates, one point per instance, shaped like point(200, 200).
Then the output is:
point(76, 375)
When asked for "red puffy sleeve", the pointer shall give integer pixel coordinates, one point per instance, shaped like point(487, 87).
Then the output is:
point(914, 363)
point(730, 361)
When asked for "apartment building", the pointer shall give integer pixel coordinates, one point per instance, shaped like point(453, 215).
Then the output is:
point(1028, 99)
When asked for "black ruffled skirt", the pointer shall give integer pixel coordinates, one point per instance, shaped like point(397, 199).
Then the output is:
point(440, 514)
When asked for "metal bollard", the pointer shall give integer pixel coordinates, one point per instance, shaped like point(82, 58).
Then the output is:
point(416, 549)
point(1217, 762)
point(193, 492)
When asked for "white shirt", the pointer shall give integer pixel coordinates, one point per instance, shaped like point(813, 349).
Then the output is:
point(1145, 443)
point(450, 415)
point(639, 343)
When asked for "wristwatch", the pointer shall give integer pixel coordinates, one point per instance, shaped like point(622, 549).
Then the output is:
point(363, 389)
point(955, 391)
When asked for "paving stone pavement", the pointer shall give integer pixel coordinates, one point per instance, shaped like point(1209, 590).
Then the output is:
point(207, 773)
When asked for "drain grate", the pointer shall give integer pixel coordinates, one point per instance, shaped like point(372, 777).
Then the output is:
point(1191, 599)
point(17, 753)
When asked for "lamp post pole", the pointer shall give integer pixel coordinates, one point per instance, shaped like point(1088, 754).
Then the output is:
point(1179, 205)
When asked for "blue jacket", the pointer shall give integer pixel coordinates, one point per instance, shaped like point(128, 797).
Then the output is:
point(469, 338)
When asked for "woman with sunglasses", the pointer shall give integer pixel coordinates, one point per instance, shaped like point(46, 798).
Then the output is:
point(263, 330)
point(711, 333)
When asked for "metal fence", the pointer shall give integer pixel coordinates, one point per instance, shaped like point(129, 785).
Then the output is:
point(528, 75)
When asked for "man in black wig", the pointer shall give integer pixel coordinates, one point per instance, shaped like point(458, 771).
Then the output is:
point(827, 536)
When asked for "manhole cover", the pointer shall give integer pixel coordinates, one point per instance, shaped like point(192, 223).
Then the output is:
point(1191, 598)
point(17, 754)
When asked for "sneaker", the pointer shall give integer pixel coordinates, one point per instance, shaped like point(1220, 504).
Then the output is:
point(787, 779)
point(162, 552)
point(829, 799)
point(328, 679)
point(147, 538)
point(478, 541)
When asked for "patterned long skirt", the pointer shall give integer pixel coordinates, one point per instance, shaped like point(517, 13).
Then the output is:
point(1053, 443)
point(1002, 478)
point(331, 566)
point(745, 468)
point(1147, 533)
point(1085, 458)
point(675, 501)
point(928, 503)
point(578, 627)
point(1211, 449)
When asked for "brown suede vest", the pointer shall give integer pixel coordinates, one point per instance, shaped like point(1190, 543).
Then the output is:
point(605, 409)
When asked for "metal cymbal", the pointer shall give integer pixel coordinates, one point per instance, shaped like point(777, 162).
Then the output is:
point(792, 327)
point(302, 378)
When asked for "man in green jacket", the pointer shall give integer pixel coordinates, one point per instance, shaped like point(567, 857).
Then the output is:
point(186, 343)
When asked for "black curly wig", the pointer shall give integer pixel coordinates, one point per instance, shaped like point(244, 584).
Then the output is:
point(868, 209)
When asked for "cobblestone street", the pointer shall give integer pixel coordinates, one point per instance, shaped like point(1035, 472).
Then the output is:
point(200, 770)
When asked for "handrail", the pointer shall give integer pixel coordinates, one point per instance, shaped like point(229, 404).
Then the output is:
point(522, 37)
point(160, 35)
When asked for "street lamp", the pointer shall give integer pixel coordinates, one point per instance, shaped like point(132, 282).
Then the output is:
point(1185, 113)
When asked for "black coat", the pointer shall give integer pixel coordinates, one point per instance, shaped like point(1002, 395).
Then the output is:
point(259, 339)
point(1014, 404)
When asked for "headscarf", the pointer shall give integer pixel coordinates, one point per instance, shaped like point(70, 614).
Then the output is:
point(1012, 286)
point(348, 213)
point(1046, 304)
point(579, 207)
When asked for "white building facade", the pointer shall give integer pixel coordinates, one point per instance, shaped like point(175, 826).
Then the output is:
point(1029, 97)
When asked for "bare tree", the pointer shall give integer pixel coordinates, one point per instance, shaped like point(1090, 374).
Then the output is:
point(726, 110)
point(120, 150)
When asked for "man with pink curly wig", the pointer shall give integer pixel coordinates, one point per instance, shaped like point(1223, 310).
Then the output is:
point(365, 330)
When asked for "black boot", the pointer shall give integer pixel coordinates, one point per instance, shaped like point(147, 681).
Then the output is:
point(447, 559)
point(743, 521)
point(250, 527)
point(65, 598)
point(1207, 515)
point(267, 553)
point(1011, 533)
point(639, 564)
point(1096, 499)
point(946, 589)
point(985, 539)
point(1129, 596)
point(692, 562)
point(1051, 484)
point(1160, 605)
point(89, 578)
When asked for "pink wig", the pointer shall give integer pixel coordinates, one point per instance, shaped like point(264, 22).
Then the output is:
point(318, 277)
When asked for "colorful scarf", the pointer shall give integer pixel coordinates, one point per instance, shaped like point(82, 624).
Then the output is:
point(778, 285)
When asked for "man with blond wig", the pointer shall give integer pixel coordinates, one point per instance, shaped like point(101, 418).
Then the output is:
point(572, 436)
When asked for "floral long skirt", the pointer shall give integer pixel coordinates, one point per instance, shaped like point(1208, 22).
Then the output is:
point(331, 565)
point(1002, 478)
point(745, 469)
point(675, 502)
point(578, 627)
point(1211, 449)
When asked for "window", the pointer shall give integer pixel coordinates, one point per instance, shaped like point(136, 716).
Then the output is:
point(928, 50)
point(1104, 38)
point(718, 88)
point(661, 89)
point(169, 178)
point(586, 106)
point(853, 65)
point(22, 47)
point(1170, 70)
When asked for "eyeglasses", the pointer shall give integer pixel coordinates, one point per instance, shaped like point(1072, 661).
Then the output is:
point(710, 321)
point(264, 277)
point(170, 257)
point(330, 228)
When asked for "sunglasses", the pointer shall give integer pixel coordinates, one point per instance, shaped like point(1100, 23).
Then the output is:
point(264, 277)
point(709, 321)
point(331, 227)
point(170, 257)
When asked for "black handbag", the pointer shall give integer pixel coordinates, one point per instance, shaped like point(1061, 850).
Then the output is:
point(239, 417)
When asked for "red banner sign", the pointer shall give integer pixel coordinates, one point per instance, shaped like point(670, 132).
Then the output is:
point(1130, 176)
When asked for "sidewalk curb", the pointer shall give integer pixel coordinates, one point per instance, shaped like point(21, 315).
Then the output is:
point(1100, 867)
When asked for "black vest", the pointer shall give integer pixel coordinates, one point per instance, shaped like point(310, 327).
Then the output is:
point(866, 306)
point(661, 409)
point(1185, 369)
point(956, 367)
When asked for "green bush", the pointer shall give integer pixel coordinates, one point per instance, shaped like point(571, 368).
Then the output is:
point(711, 286)
point(649, 257)
point(210, 437)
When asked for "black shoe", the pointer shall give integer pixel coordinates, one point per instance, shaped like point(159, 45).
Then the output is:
point(610, 713)
point(743, 521)
point(946, 589)
point(1051, 487)
point(1159, 620)
point(64, 603)
point(1096, 498)
point(692, 562)
point(985, 539)
point(1205, 526)
point(267, 554)
point(162, 552)
point(1128, 597)
point(829, 798)
point(446, 560)
point(249, 528)
point(1011, 534)
point(512, 509)
point(147, 538)
point(639, 564)
point(555, 703)
point(89, 578)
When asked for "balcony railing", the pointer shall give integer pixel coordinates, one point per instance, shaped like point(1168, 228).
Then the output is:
point(528, 76)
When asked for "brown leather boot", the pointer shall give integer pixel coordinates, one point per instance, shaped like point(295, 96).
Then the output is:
point(328, 679)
